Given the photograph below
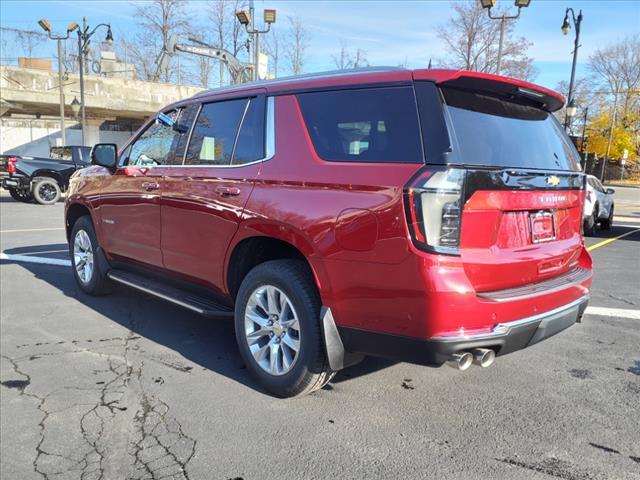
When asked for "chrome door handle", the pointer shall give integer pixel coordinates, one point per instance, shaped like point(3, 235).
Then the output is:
point(228, 191)
point(149, 186)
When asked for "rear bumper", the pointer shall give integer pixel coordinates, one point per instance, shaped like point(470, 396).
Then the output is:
point(19, 182)
point(503, 338)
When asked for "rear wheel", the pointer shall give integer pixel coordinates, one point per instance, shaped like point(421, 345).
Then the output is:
point(20, 195)
point(591, 221)
point(46, 191)
point(87, 270)
point(277, 322)
point(607, 222)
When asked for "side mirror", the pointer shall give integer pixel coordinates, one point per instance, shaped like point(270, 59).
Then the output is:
point(105, 155)
point(609, 191)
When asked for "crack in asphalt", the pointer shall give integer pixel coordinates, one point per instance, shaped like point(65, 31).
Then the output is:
point(553, 467)
point(121, 414)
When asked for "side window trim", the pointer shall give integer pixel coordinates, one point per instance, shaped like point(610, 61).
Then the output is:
point(235, 140)
point(270, 138)
point(193, 126)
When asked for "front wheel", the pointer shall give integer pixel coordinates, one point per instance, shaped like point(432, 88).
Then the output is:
point(87, 270)
point(20, 195)
point(277, 323)
point(46, 191)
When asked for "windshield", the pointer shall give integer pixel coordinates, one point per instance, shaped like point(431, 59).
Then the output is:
point(494, 132)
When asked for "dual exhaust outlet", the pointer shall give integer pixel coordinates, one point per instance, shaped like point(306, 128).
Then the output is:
point(483, 357)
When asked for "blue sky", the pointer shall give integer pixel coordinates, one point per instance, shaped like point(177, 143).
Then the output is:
point(391, 32)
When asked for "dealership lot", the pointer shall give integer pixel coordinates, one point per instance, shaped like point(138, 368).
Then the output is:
point(127, 386)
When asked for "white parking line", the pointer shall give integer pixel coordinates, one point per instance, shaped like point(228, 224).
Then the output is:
point(41, 260)
point(614, 312)
point(603, 311)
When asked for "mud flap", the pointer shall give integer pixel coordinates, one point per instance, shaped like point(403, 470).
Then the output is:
point(338, 357)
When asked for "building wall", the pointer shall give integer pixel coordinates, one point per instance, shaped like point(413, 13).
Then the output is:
point(34, 137)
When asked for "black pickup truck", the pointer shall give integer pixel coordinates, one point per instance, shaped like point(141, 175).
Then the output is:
point(42, 179)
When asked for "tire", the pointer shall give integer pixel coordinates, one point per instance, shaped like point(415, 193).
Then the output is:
point(20, 195)
point(46, 191)
point(84, 245)
point(308, 368)
point(607, 223)
point(591, 221)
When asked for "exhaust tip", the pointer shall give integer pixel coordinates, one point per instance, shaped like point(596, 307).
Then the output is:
point(483, 357)
point(460, 361)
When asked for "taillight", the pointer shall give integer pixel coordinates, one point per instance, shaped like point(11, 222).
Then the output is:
point(434, 210)
point(11, 165)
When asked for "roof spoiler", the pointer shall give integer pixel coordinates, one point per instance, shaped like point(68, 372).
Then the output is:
point(495, 85)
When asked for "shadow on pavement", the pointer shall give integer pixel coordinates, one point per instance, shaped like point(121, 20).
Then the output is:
point(615, 231)
point(209, 343)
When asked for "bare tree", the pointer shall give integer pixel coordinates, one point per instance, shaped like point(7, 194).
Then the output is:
point(157, 21)
point(227, 32)
point(343, 60)
point(616, 67)
point(273, 42)
point(471, 40)
point(28, 41)
point(296, 45)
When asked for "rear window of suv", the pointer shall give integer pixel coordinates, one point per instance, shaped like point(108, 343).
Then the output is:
point(489, 131)
point(377, 125)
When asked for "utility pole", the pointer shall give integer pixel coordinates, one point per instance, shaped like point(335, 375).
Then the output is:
point(611, 127)
point(585, 145)
point(46, 26)
point(489, 4)
point(576, 44)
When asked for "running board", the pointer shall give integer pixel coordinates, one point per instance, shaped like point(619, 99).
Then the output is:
point(186, 299)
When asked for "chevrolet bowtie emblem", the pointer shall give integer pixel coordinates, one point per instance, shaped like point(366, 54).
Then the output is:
point(553, 180)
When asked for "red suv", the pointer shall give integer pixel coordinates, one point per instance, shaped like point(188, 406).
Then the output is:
point(427, 216)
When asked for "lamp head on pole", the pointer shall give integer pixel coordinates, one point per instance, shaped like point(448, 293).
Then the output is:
point(72, 26)
point(243, 17)
point(269, 16)
point(522, 3)
point(566, 27)
point(572, 109)
point(46, 26)
point(75, 106)
point(109, 38)
point(488, 3)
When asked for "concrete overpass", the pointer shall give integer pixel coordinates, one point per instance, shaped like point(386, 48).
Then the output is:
point(115, 107)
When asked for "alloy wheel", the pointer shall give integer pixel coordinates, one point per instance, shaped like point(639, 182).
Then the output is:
point(272, 330)
point(83, 256)
point(47, 192)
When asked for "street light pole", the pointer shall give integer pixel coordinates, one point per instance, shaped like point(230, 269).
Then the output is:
point(247, 19)
point(577, 22)
point(83, 43)
point(46, 26)
point(489, 4)
point(63, 135)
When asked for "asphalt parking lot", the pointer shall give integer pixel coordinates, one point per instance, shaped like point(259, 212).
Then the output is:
point(127, 386)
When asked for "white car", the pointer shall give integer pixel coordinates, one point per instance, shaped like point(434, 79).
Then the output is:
point(598, 206)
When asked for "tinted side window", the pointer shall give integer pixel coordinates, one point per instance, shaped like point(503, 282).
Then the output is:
point(214, 133)
point(368, 125)
point(251, 139)
point(155, 145)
